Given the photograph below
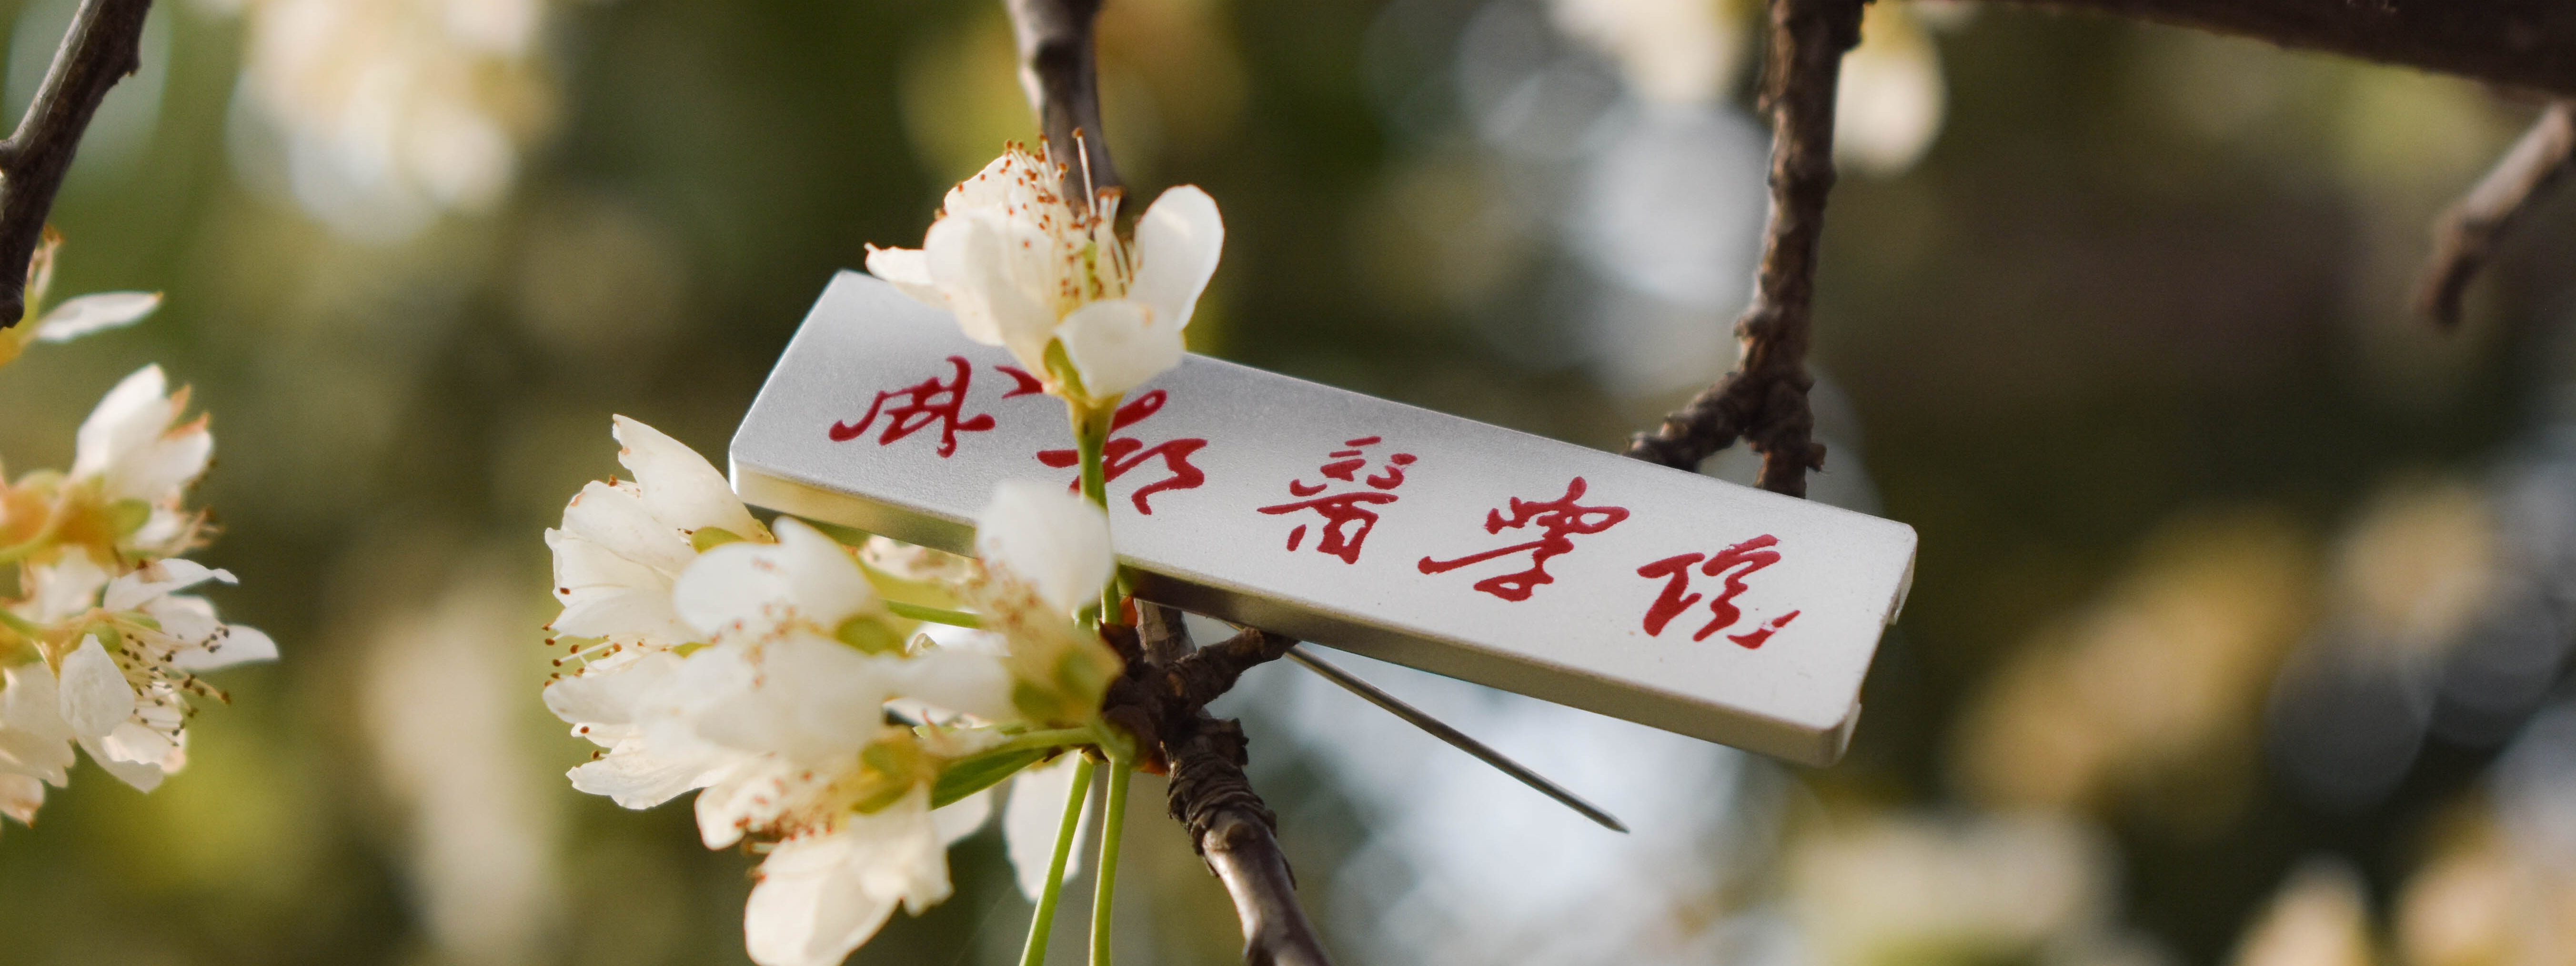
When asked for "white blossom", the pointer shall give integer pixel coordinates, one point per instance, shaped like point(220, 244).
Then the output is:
point(127, 658)
point(1023, 268)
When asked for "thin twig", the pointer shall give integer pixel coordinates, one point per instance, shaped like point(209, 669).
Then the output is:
point(103, 45)
point(2519, 43)
point(1058, 72)
point(2467, 234)
point(1765, 399)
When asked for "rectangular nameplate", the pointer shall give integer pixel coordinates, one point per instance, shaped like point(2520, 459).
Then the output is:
point(1662, 597)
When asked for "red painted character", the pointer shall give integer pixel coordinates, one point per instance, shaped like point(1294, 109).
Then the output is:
point(930, 401)
point(1121, 454)
point(1557, 520)
point(1737, 563)
point(1342, 510)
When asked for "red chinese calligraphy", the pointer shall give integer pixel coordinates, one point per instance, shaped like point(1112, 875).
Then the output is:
point(1558, 521)
point(1022, 384)
point(1347, 517)
point(932, 400)
point(1736, 563)
point(1121, 454)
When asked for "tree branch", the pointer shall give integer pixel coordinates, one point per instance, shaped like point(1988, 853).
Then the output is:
point(1765, 399)
point(1210, 796)
point(2520, 43)
point(103, 46)
point(1058, 72)
point(1232, 830)
point(2467, 234)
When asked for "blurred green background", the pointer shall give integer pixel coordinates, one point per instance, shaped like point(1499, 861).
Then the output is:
point(2239, 589)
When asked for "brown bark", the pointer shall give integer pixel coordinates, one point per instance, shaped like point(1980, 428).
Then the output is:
point(1058, 73)
point(1228, 824)
point(102, 47)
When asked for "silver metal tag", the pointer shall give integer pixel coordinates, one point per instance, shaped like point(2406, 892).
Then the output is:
point(1662, 597)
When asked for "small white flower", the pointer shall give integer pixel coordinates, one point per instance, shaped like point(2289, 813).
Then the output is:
point(622, 544)
point(127, 706)
point(1022, 268)
point(1051, 539)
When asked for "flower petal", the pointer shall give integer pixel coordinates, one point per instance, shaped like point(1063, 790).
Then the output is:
point(610, 596)
point(94, 696)
point(811, 907)
point(132, 591)
point(20, 795)
point(144, 777)
point(133, 742)
point(1118, 344)
point(155, 471)
point(127, 418)
point(1033, 816)
point(619, 518)
point(759, 589)
point(963, 817)
point(973, 257)
point(33, 738)
point(680, 487)
point(610, 697)
point(963, 681)
point(95, 313)
point(64, 588)
point(236, 644)
point(1054, 540)
point(908, 270)
point(1177, 244)
point(635, 775)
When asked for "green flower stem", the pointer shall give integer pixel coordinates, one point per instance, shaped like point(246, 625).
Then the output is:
point(1034, 954)
point(1120, 769)
point(1091, 427)
point(935, 615)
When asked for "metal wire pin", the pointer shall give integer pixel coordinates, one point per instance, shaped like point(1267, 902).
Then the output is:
point(1453, 736)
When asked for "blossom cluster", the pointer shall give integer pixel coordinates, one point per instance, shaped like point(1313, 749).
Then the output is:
point(98, 646)
point(846, 707)
point(765, 668)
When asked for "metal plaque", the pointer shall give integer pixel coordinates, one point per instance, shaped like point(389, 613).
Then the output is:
point(1662, 597)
